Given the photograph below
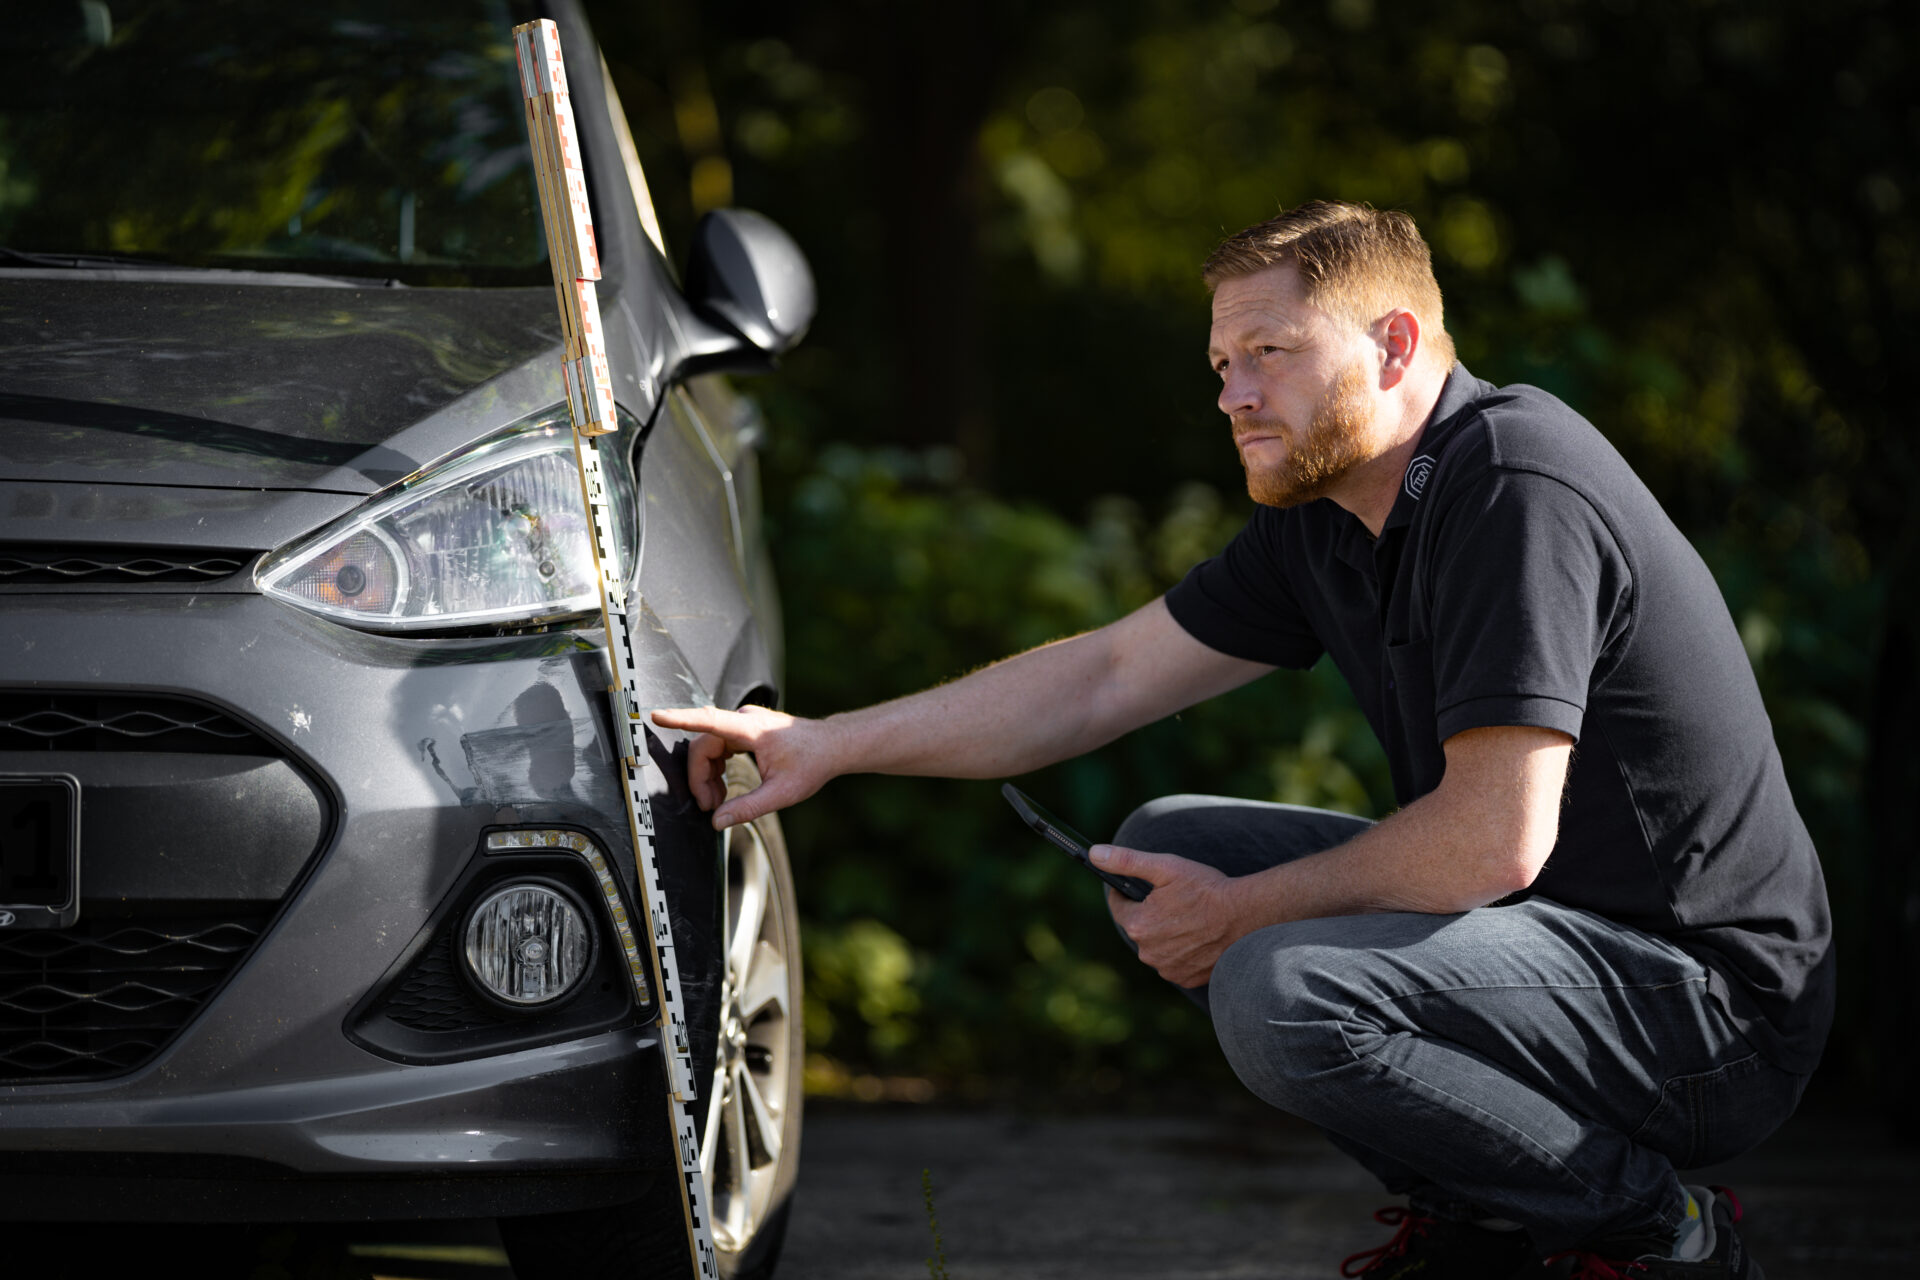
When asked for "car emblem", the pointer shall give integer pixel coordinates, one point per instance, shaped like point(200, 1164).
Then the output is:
point(7, 918)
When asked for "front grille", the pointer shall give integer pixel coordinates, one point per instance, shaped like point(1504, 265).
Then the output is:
point(36, 565)
point(35, 721)
point(102, 997)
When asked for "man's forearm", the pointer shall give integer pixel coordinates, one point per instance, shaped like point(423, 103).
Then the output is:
point(1045, 705)
point(1483, 834)
point(1019, 714)
point(1409, 862)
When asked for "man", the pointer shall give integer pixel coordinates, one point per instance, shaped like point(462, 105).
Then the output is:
point(1593, 944)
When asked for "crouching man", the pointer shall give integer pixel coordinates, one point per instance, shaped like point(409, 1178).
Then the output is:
point(1591, 946)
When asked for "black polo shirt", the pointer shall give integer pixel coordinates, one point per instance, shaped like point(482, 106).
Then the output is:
point(1526, 577)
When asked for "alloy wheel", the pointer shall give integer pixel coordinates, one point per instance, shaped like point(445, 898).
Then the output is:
point(750, 1147)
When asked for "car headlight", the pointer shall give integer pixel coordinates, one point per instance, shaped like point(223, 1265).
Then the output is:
point(496, 535)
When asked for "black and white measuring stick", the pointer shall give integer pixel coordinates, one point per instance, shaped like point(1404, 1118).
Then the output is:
point(576, 265)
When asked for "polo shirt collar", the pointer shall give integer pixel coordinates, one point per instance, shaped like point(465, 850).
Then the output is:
point(1449, 415)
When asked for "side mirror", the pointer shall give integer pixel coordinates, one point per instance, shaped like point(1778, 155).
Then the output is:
point(747, 276)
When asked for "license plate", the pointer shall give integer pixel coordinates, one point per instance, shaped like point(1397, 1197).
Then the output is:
point(39, 851)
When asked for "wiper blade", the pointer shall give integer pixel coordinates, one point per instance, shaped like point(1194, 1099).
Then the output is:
point(109, 265)
point(80, 261)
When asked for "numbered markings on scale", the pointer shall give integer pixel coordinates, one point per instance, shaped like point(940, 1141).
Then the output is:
point(704, 1256)
point(662, 934)
point(688, 1138)
point(596, 480)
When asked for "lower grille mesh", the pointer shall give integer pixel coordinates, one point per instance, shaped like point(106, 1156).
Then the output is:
point(433, 998)
point(104, 996)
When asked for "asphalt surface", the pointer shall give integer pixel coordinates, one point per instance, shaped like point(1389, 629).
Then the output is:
point(1251, 1194)
point(1256, 1195)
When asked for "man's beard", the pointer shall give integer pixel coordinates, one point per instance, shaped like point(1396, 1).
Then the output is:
point(1336, 441)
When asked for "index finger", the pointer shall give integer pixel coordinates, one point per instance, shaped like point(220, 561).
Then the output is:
point(696, 719)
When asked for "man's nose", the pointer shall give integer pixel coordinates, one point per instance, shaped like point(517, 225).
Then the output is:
point(1238, 394)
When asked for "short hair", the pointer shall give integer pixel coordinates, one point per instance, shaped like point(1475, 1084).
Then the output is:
point(1356, 263)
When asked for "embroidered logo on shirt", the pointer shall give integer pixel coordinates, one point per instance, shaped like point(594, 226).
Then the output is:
point(1417, 472)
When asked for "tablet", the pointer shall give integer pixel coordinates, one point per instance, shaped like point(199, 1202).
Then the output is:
point(1069, 841)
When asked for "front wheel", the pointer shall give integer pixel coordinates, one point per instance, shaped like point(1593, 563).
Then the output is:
point(750, 1148)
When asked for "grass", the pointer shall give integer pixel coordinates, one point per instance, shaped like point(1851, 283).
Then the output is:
point(937, 1261)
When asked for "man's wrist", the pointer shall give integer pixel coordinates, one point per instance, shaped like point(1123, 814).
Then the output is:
point(838, 745)
point(1262, 899)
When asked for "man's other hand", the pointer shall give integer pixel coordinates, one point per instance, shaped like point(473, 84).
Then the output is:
point(1184, 925)
point(789, 751)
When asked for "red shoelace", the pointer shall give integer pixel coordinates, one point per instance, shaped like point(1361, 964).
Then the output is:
point(1591, 1266)
point(1412, 1227)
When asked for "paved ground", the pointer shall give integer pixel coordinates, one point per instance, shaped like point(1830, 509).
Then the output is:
point(1105, 1198)
point(1256, 1196)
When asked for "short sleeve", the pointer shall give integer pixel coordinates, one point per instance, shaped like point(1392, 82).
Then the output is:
point(1529, 588)
point(1242, 602)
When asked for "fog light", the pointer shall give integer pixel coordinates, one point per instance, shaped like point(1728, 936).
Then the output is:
point(528, 944)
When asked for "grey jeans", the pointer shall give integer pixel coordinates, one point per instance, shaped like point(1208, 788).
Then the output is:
point(1533, 1062)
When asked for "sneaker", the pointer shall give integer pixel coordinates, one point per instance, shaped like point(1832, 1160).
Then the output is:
point(1725, 1259)
point(1439, 1249)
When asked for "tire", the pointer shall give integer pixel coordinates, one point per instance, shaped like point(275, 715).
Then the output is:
point(751, 1147)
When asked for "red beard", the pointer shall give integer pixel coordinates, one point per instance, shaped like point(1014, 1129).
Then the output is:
point(1337, 440)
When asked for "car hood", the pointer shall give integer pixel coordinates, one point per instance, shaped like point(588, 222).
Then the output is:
point(242, 385)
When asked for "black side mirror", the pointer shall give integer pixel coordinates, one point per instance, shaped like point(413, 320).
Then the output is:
point(746, 276)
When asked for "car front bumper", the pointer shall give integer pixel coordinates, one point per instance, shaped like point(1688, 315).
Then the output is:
point(263, 1105)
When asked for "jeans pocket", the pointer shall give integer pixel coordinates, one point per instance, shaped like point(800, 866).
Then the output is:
point(1711, 1116)
point(1682, 1123)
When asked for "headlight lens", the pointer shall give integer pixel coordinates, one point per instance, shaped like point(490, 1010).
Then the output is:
point(497, 535)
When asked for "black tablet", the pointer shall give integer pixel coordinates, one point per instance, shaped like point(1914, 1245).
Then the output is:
point(1069, 841)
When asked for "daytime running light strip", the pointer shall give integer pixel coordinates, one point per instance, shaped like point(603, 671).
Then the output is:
point(609, 889)
point(575, 259)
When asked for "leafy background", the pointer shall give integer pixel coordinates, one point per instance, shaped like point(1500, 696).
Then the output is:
point(1692, 220)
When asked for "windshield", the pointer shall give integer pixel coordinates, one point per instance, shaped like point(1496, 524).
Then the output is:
point(374, 137)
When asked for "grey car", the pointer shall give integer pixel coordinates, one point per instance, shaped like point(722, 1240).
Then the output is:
point(304, 725)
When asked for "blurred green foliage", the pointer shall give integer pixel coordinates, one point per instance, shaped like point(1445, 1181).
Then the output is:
point(1694, 221)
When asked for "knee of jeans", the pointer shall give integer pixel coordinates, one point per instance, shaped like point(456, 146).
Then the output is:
point(1278, 1011)
point(1143, 827)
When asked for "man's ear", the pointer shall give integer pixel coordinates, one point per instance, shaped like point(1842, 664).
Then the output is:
point(1398, 333)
